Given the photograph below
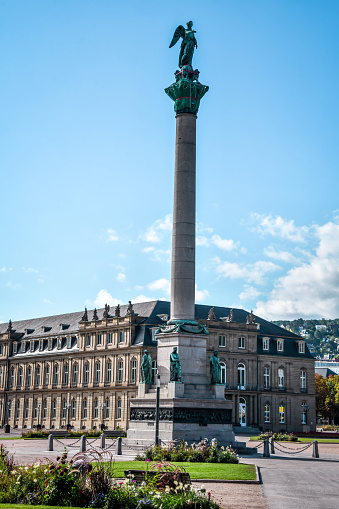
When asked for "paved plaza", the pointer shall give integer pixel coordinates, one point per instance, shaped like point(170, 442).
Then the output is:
point(289, 481)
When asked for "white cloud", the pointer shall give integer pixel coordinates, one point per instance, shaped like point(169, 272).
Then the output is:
point(225, 244)
point(284, 256)
point(162, 284)
point(159, 228)
point(279, 227)
point(249, 293)
point(255, 272)
point(158, 255)
point(4, 269)
point(201, 295)
point(201, 228)
point(201, 240)
point(311, 289)
point(29, 270)
point(121, 277)
point(104, 297)
point(142, 298)
point(112, 235)
point(46, 301)
point(12, 285)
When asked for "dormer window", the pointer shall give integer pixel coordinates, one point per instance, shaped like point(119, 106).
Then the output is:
point(32, 346)
point(280, 345)
point(64, 326)
point(44, 328)
point(265, 344)
point(69, 342)
point(59, 343)
point(50, 344)
point(23, 347)
point(15, 346)
point(301, 347)
point(29, 331)
point(41, 344)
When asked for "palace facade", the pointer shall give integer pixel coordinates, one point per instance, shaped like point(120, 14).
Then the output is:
point(83, 369)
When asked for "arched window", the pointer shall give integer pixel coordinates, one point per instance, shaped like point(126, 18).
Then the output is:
point(96, 406)
point(119, 409)
point(222, 373)
point(241, 376)
point(18, 409)
point(20, 377)
point(133, 371)
point(84, 409)
point(12, 377)
point(97, 372)
point(75, 374)
point(86, 377)
point(154, 371)
point(109, 371)
point(303, 380)
point(120, 371)
point(107, 409)
point(267, 413)
point(281, 378)
point(281, 413)
point(29, 376)
point(44, 409)
point(37, 375)
point(73, 408)
point(53, 409)
point(47, 375)
point(64, 409)
point(266, 377)
point(66, 373)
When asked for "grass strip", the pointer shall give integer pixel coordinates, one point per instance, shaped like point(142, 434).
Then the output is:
point(306, 440)
point(224, 471)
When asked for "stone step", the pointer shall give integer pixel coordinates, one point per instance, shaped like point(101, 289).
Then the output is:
point(246, 430)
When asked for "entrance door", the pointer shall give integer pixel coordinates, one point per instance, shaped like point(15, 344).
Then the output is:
point(242, 411)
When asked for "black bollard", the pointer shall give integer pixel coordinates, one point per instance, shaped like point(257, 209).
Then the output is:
point(315, 453)
point(272, 446)
point(50, 442)
point(266, 453)
point(118, 449)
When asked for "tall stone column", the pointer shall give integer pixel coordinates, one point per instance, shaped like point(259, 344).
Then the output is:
point(183, 238)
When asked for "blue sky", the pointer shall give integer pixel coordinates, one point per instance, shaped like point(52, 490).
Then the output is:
point(87, 154)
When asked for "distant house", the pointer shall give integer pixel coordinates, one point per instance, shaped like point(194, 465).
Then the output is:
point(321, 327)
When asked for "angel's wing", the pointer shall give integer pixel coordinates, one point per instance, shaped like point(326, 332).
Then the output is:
point(179, 32)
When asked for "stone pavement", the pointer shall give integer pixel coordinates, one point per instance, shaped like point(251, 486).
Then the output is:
point(289, 481)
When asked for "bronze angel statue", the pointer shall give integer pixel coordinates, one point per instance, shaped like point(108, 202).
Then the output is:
point(188, 44)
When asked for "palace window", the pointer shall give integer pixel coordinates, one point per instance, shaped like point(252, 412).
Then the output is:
point(84, 409)
point(241, 342)
point(119, 409)
point(29, 376)
point(23, 346)
point(12, 377)
point(98, 339)
point(86, 373)
point(18, 409)
point(0, 376)
point(281, 414)
point(41, 344)
point(47, 375)
point(75, 374)
point(64, 409)
point(280, 345)
point(69, 342)
point(37, 376)
point(20, 377)
point(97, 372)
point(265, 343)
point(109, 371)
point(281, 378)
point(121, 336)
point(222, 373)
point(35, 409)
point(66, 373)
point(1, 350)
point(120, 371)
point(44, 410)
point(50, 344)
point(241, 376)
point(9, 405)
point(73, 409)
point(95, 409)
point(88, 340)
point(32, 346)
point(303, 380)
point(53, 409)
point(14, 347)
point(266, 377)
point(304, 412)
point(222, 341)
point(56, 374)
point(133, 371)
point(267, 413)
point(59, 343)
point(110, 338)
point(26, 409)
point(301, 347)
point(107, 409)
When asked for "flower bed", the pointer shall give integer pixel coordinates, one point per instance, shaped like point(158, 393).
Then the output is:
point(88, 481)
point(204, 451)
point(280, 437)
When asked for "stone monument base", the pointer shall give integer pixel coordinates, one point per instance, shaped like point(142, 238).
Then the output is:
point(180, 419)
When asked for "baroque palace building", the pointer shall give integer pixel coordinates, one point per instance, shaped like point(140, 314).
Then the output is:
point(83, 369)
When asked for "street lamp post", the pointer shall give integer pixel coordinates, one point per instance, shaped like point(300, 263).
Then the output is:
point(157, 410)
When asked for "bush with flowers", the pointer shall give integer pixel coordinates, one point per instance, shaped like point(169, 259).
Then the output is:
point(88, 481)
point(280, 437)
point(203, 451)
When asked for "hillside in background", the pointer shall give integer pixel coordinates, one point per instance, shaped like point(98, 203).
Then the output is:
point(322, 336)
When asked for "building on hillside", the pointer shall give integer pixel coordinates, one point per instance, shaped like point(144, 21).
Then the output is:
point(83, 369)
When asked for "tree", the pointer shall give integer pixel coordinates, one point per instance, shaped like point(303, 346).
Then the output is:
point(327, 396)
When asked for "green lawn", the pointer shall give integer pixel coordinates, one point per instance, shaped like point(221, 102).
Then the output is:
point(306, 440)
point(224, 471)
